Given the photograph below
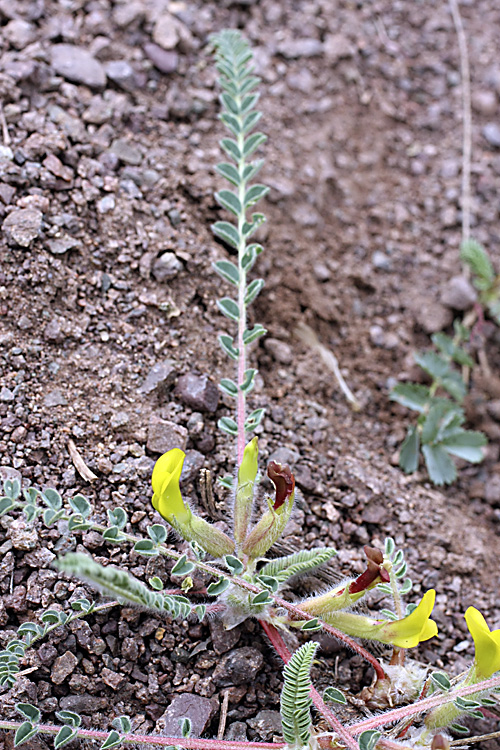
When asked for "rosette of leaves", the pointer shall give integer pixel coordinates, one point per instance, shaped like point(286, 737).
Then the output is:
point(439, 433)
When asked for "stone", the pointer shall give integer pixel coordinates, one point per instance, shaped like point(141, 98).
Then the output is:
point(77, 64)
point(62, 244)
point(166, 267)
point(167, 61)
point(163, 435)
point(237, 732)
point(459, 294)
point(381, 261)
point(19, 33)
point(160, 377)
point(126, 152)
point(484, 102)
point(23, 226)
point(83, 704)
point(267, 723)
point(198, 392)
point(492, 490)
point(199, 710)
point(119, 419)
point(169, 32)
point(337, 47)
point(193, 463)
point(112, 679)
point(433, 316)
point(279, 350)
point(7, 192)
point(239, 666)
point(6, 394)
point(121, 73)
point(21, 535)
point(491, 132)
point(55, 398)
point(306, 47)
point(223, 640)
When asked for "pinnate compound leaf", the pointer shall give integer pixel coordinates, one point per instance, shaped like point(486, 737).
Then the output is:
point(297, 563)
point(228, 271)
point(229, 200)
point(476, 257)
point(295, 696)
point(229, 171)
point(409, 452)
point(25, 732)
point(229, 308)
point(466, 444)
point(228, 425)
point(439, 465)
point(412, 395)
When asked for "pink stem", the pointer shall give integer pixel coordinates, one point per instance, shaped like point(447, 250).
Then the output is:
point(189, 743)
point(281, 649)
point(424, 705)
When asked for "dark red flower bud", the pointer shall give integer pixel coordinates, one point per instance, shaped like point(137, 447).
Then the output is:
point(283, 480)
point(373, 571)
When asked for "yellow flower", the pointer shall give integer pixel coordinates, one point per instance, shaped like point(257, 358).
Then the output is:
point(487, 643)
point(405, 633)
point(247, 474)
point(167, 498)
point(417, 627)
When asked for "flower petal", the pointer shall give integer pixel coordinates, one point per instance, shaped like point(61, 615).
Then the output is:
point(487, 643)
point(416, 627)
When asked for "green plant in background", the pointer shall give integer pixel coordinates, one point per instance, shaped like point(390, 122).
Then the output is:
point(439, 431)
point(245, 583)
point(484, 278)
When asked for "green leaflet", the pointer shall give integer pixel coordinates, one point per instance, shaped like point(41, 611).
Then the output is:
point(295, 696)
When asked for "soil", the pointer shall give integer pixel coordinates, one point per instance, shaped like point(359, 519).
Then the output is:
point(108, 297)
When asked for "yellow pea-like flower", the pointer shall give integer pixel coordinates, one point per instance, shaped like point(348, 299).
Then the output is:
point(486, 642)
point(167, 498)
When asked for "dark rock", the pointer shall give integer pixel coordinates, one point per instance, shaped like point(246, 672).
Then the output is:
point(198, 392)
point(199, 710)
point(63, 667)
point(266, 724)
point(83, 704)
point(23, 226)
point(193, 463)
point(121, 73)
point(126, 152)
point(238, 667)
point(166, 61)
point(223, 640)
point(237, 732)
point(21, 535)
point(47, 653)
point(164, 435)
point(77, 65)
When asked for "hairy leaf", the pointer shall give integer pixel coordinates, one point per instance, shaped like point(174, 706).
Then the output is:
point(295, 696)
point(298, 563)
point(439, 465)
point(409, 452)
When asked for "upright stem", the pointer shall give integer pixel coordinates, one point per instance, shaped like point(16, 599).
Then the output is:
point(242, 321)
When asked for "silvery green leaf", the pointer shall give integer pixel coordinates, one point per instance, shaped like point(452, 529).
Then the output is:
point(254, 194)
point(389, 546)
point(77, 522)
point(113, 534)
point(117, 517)
point(186, 726)
point(12, 488)
point(235, 566)
point(145, 547)
point(156, 583)
point(406, 587)
point(228, 271)
point(52, 498)
point(261, 598)
point(441, 681)
point(249, 227)
point(333, 695)
point(230, 104)
point(412, 395)
point(388, 614)
point(32, 713)
point(6, 504)
point(229, 171)
point(69, 717)
point(229, 200)
point(218, 587)
point(269, 582)
point(200, 610)
point(65, 734)
point(30, 512)
point(228, 425)
point(31, 494)
point(182, 567)
point(158, 533)
point(227, 232)
point(466, 444)
point(231, 122)
point(248, 380)
point(227, 481)
point(254, 419)
point(229, 308)
point(254, 333)
point(51, 516)
point(250, 121)
point(24, 733)
point(80, 505)
point(253, 290)
point(122, 724)
point(82, 605)
point(249, 103)
point(252, 143)
point(231, 148)
point(227, 344)
point(311, 626)
point(409, 452)
point(368, 739)
point(229, 387)
point(250, 256)
point(251, 169)
point(50, 617)
point(474, 254)
point(112, 740)
point(249, 83)
point(459, 728)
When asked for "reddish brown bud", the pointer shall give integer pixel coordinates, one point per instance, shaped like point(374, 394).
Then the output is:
point(440, 743)
point(283, 480)
point(373, 571)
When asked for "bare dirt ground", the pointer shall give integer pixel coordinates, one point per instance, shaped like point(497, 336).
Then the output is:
point(107, 297)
